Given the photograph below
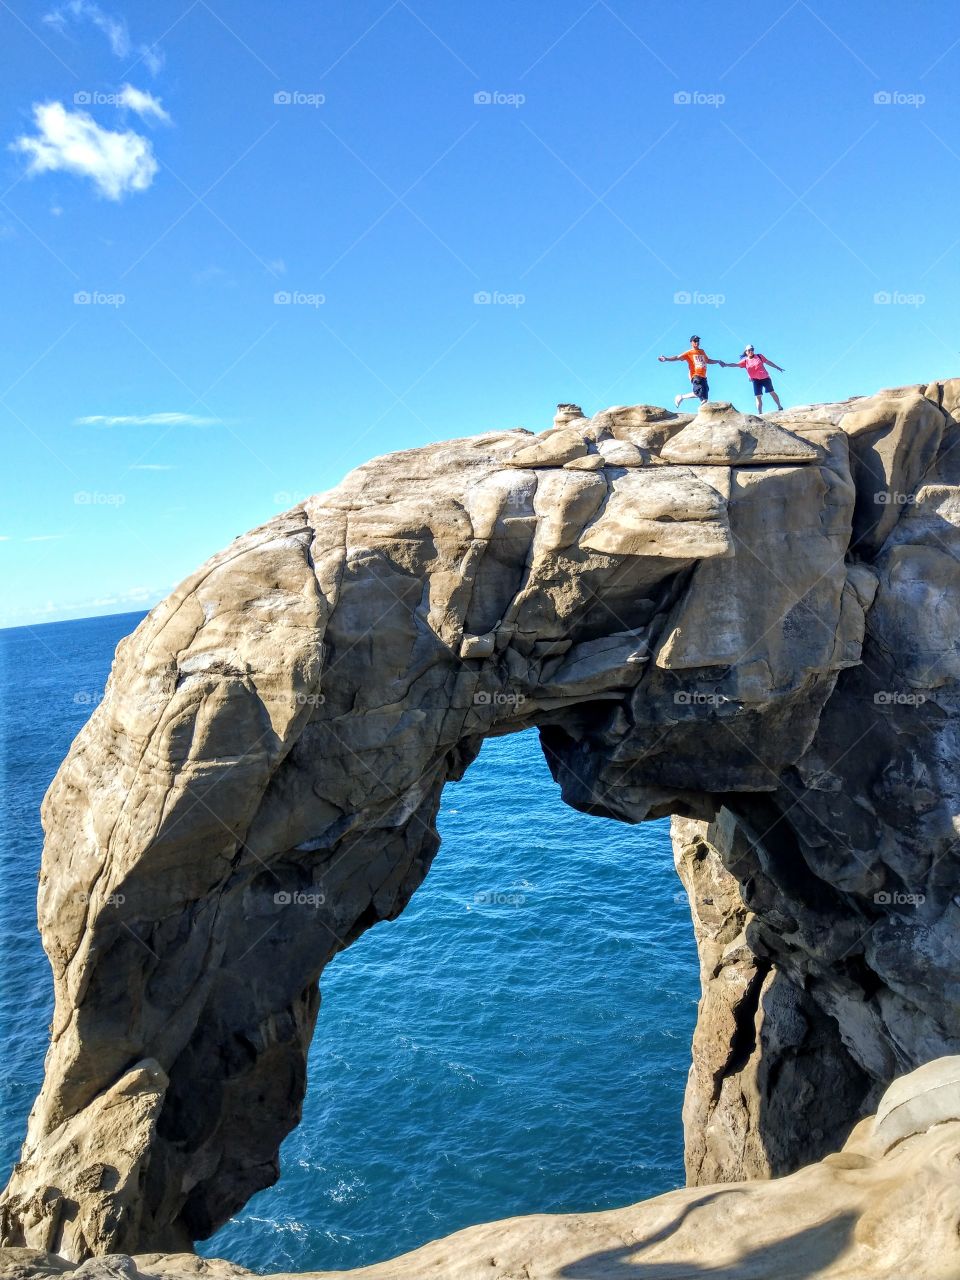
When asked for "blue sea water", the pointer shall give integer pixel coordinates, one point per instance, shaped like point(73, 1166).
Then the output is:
point(517, 1041)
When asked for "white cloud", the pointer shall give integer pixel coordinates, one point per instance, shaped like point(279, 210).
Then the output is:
point(151, 57)
point(153, 466)
point(73, 141)
point(144, 104)
point(115, 29)
point(45, 537)
point(145, 420)
point(136, 595)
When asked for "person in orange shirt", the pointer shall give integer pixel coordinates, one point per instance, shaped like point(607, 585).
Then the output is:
point(697, 361)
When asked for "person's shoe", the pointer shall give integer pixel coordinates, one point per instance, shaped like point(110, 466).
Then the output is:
point(677, 400)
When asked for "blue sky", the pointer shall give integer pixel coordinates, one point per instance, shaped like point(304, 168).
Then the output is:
point(638, 172)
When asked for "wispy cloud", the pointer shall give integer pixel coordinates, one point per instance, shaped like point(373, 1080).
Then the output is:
point(114, 28)
point(72, 141)
point(45, 537)
point(136, 595)
point(153, 466)
point(214, 274)
point(145, 420)
point(133, 598)
point(144, 104)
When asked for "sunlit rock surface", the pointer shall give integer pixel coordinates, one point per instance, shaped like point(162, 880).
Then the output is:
point(749, 623)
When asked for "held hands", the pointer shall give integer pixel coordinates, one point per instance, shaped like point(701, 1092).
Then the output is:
point(661, 359)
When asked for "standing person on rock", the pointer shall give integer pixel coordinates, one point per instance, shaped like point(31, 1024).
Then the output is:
point(697, 361)
point(756, 367)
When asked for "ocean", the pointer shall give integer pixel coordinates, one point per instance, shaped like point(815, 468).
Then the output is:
point(517, 1041)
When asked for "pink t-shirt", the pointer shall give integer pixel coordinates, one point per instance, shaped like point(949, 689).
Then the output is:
point(754, 366)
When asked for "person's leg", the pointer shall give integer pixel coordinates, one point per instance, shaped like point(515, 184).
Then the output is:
point(776, 398)
point(760, 403)
point(687, 395)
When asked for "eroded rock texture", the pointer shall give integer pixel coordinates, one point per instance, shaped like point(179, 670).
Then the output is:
point(751, 623)
point(885, 1207)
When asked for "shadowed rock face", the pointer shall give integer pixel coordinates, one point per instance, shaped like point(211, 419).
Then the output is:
point(749, 623)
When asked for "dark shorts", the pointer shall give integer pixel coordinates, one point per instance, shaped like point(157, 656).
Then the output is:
point(701, 388)
point(760, 385)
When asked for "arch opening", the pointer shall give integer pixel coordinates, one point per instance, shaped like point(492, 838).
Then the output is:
point(516, 1041)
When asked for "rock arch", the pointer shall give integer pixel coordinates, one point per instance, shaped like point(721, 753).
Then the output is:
point(748, 623)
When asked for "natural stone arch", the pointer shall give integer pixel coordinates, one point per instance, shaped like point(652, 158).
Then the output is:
point(697, 614)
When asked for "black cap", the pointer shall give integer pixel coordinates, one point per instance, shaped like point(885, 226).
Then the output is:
point(694, 337)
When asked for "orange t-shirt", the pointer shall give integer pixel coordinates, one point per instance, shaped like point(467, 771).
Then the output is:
point(696, 359)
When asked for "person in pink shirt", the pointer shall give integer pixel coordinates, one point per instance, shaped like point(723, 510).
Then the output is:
point(756, 367)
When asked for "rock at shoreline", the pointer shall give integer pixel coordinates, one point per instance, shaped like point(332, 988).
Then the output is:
point(884, 1207)
point(751, 624)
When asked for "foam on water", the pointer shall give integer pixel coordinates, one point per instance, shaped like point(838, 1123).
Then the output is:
point(517, 1041)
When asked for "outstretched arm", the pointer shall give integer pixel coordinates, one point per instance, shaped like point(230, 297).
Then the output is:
point(668, 358)
point(778, 367)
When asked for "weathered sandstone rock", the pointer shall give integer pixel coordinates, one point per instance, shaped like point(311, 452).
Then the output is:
point(884, 1207)
point(722, 625)
point(723, 437)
